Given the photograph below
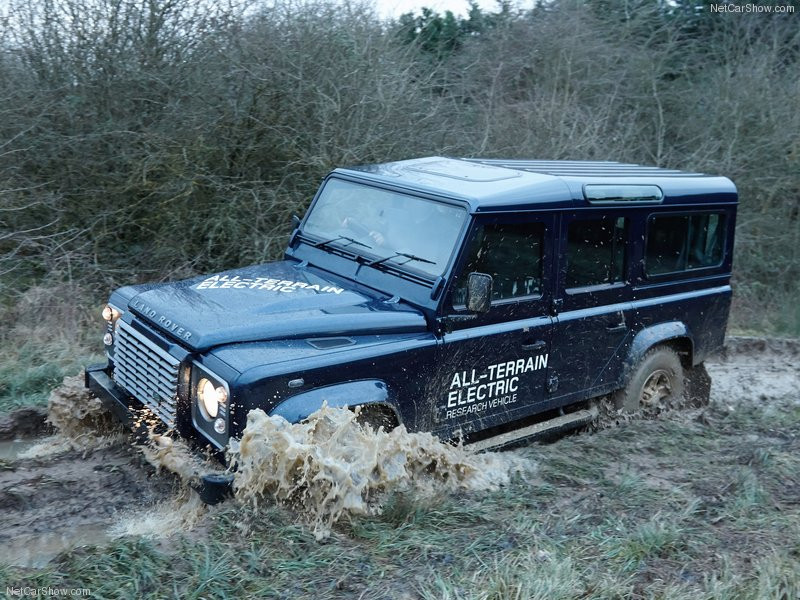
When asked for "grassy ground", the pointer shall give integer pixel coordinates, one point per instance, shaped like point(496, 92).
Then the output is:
point(45, 335)
point(30, 371)
point(705, 506)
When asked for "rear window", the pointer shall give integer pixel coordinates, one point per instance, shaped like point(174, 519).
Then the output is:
point(684, 242)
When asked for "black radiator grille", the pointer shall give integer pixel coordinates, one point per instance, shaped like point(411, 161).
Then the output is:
point(147, 372)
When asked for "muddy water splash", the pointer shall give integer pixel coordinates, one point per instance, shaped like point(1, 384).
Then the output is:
point(165, 519)
point(175, 515)
point(330, 465)
point(80, 419)
point(164, 452)
point(77, 413)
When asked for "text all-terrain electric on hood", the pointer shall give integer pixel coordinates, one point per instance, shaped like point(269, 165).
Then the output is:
point(269, 302)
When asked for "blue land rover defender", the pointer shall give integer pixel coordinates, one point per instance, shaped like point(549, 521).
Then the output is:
point(485, 299)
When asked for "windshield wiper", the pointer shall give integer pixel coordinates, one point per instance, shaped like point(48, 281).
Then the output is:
point(341, 237)
point(410, 257)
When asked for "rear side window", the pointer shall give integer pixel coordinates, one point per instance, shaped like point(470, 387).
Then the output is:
point(684, 242)
point(595, 252)
point(512, 254)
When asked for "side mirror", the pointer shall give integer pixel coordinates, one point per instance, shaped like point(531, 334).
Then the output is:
point(295, 221)
point(479, 292)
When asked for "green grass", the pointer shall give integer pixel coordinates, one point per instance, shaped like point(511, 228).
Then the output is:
point(652, 509)
point(46, 334)
point(30, 371)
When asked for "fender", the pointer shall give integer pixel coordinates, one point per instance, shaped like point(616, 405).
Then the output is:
point(339, 395)
point(652, 336)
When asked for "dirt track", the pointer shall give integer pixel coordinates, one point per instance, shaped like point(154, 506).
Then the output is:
point(69, 498)
point(52, 503)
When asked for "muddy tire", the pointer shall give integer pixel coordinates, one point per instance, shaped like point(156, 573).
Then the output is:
point(377, 417)
point(657, 382)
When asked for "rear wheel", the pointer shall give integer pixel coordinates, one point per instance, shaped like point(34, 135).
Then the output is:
point(657, 382)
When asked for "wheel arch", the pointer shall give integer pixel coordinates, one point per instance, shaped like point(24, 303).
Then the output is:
point(366, 392)
point(673, 334)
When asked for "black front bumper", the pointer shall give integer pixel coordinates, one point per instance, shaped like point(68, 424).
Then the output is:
point(212, 487)
point(121, 404)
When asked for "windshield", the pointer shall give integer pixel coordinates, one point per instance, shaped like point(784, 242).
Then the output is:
point(397, 229)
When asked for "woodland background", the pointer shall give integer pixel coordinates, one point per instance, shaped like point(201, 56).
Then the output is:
point(155, 139)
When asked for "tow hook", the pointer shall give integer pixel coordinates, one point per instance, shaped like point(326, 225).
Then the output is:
point(213, 488)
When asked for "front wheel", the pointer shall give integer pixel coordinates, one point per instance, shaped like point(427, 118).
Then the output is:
point(657, 382)
point(376, 417)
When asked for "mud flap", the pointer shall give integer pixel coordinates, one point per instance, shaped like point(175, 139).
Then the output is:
point(698, 386)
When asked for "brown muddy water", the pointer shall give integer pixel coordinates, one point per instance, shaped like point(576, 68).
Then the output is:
point(67, 490)
point(330, 465)
point(11, 449)
point(35, 550)
point(87, 485)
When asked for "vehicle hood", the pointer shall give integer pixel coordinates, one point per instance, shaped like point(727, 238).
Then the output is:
point(279, 300)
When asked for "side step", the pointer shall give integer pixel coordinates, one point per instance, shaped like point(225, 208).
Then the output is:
point(560, 423)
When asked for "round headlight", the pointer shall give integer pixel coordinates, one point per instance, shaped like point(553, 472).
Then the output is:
point(209, 398)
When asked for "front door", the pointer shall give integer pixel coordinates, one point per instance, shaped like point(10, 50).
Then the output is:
point(492, 367)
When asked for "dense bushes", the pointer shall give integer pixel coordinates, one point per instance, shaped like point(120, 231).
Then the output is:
point(156, 138)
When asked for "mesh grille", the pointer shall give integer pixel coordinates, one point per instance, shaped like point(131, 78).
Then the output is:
point(147, 372)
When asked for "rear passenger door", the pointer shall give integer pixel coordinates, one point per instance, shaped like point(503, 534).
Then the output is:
point(492, 367)
point(593, 312)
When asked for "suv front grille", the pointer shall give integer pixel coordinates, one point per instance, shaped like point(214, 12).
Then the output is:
point(146, 371)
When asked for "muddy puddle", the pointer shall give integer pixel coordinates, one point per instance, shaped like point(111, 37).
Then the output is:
point(35, 550)
point(11, 449)
point(88, 485)
point(67, 490)
point(755, 370)
point(71, 498)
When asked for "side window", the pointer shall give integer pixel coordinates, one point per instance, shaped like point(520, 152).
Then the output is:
point(595, 252)
point(511, 254)
point(680, 243)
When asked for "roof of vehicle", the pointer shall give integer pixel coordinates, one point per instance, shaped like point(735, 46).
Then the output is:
point(500, 184)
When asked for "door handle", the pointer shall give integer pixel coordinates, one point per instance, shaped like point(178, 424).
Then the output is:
point(537, 345)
